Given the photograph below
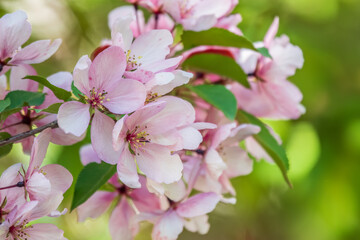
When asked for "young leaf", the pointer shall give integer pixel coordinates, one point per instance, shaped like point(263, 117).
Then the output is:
point(178, 31)
point(4, 150)
point(268, 142)
point(59, 92)
point(215, 37)
point(53, 108)
point(4, 104)
point(219, 97)
point(91, 178)
point(218, 64)
point(76, 91)
point(264, 51)
point(21, 98)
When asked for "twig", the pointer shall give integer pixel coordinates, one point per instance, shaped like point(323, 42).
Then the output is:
point(23, 135)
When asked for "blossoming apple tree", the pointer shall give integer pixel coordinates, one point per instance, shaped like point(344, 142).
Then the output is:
point(168, 101)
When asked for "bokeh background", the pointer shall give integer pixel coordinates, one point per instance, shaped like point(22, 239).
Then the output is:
point(323, 145)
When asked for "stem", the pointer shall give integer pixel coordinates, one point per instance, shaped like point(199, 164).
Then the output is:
point(23, 135)
point(19, 184)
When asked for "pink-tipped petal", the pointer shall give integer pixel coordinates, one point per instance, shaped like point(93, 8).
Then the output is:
point(127, 171)
point(38, 186)
point(101, 138)
point(81, 74)
point(74, 117)
point(38, 151)
point(158, 164)
point(198, 205)
point(96, 205)
point(59, 177)
point(61, 79)
point(88, 155)
point(107, 69)
point(44, 231)
point(122, 222)
point(198, 224)
point(15, 30)
point(152, 46)
point(237, 161)
point(168, 227)
point(16, 78)
point(36, 52)
point(271, 33)
point(125, 96)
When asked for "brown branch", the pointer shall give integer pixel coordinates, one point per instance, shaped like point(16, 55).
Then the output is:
point(23, 135)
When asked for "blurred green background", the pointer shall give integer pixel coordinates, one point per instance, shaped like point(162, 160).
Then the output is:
point(323, 145)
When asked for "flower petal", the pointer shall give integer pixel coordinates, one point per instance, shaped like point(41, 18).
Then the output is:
point(36, 52)
point(88, 155)
point(107, 69)
point(122, 222)
point(127, 171)
point(59, 177)
point(15, 30)
point(96, 205)
point(16, 78)
point(198, 205)
point(74, 117)
point(168, 227)
point(125, 96)
point(101, 138)
point(44, 231)
point(158, 164)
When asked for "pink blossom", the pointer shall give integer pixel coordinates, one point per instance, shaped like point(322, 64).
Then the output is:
point(189, 213)
point(25, 119)
point(197, 15)
point(150, 135)
point(147, 55)
point(48, 181)
point(15, 30)
point(16, 225)
point(271, 94)
point(104, 89)
point(137, 23)
point(123, 224)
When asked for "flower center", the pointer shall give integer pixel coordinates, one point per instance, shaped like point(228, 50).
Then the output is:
point(96, 99)
point(18, 232)
point(137, 139)
point(132, 61)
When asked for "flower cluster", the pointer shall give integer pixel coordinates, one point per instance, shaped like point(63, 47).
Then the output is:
point(175, 150)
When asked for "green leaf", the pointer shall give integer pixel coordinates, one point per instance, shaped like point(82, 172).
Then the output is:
point(218, 64)
point(76, 91)
point(215, 37)
point(4, 104)
point(4, 150)
point(218, 96)
point(21, 98)
point(59, 92)
point(264, 51)
point(53, 108)
point(268, 142)
point(91, 178)
point(178, 32)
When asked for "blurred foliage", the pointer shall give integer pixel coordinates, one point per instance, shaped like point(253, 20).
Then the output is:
point(323, 145)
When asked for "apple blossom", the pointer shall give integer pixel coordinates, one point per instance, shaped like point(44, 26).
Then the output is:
point(15, 30)
point(197, 15)
point(271, 94)
point(104, 89)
